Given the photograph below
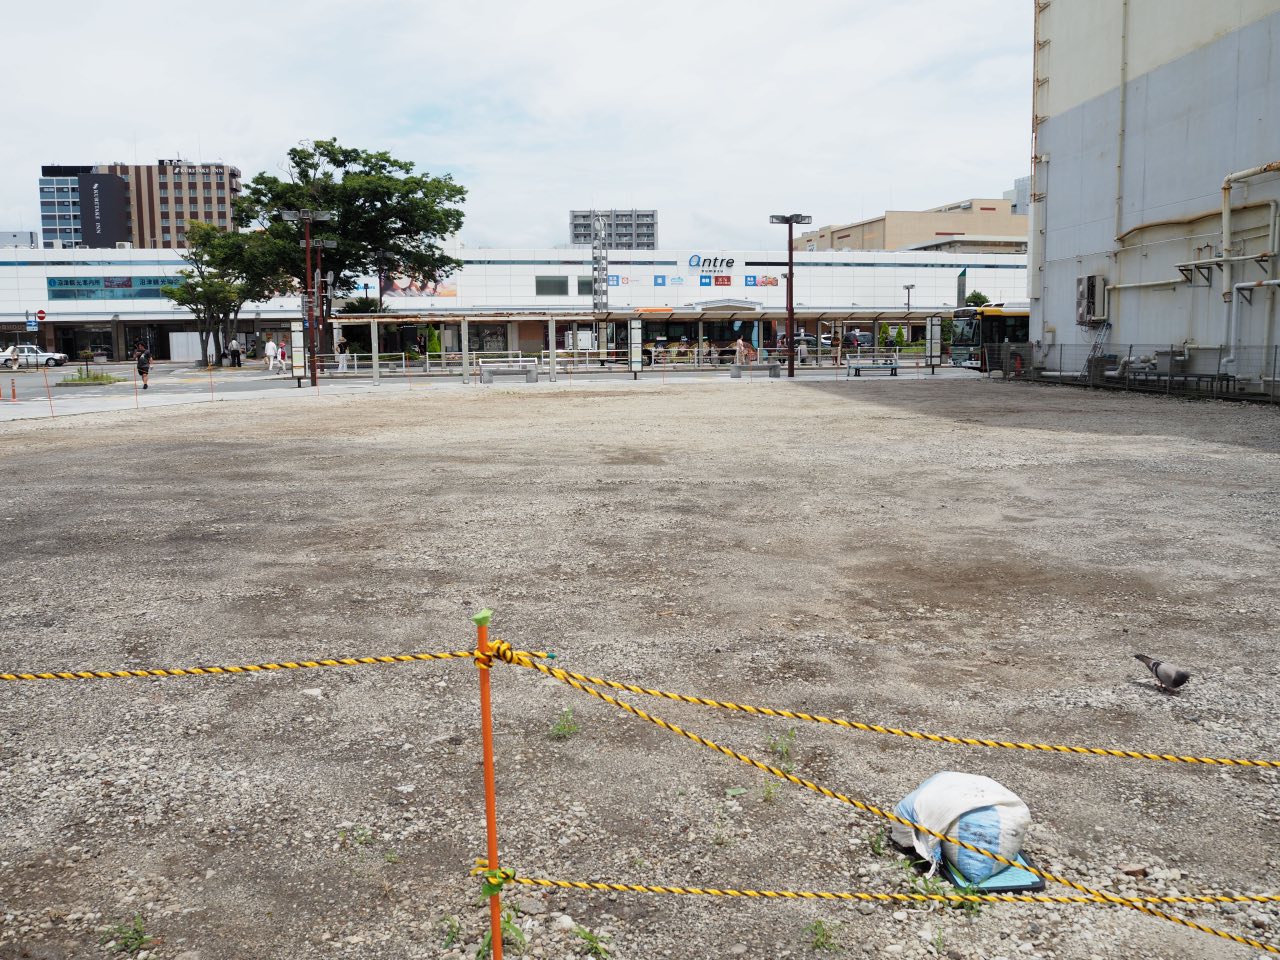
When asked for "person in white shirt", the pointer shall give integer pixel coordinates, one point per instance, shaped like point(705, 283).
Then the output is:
point(342, 354)
point(271, 350)
point(9, 357)
point(233, 348)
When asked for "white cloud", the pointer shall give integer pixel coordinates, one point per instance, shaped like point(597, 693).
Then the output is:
point(717, 113)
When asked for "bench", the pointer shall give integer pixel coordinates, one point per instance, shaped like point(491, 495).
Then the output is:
point(875, 366)
point(773, 369)
point(487, 373)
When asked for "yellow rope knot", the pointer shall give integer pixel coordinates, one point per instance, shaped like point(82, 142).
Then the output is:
point(493, 879)
point(508, 654)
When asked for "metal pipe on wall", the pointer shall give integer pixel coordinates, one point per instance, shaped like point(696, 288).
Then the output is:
point(1233, 314)
point(1227, 183)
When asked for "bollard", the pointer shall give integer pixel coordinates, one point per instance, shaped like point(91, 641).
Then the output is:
point(13, 390)
point(481, 620)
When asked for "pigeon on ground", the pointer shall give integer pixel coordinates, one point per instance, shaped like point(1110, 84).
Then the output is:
point(1167, 675)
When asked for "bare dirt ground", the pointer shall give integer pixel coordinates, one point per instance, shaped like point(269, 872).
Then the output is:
point(962, 557)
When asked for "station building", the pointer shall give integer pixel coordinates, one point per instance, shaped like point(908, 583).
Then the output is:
point(105, 300)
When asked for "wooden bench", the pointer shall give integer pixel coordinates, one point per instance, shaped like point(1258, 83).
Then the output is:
point(530, 373)
point(773, 369)
point(855, 367)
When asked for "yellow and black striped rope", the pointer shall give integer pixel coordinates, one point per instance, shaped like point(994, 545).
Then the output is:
point(868, 896)
point(241, 669)
point(563, 677)
point(913, 734)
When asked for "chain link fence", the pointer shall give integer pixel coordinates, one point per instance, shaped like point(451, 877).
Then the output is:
point(1248, 373)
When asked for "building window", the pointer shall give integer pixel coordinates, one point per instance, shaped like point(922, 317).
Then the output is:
point(551, 286)
point(584, 286)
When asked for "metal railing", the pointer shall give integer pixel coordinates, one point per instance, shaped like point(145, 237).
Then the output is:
point(333, 363)
point(1249, 372)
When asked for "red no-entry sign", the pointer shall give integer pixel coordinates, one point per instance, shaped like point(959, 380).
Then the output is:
point(39, 314)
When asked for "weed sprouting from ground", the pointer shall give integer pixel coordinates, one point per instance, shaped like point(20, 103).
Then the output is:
point(565, 726)
point(130, 937)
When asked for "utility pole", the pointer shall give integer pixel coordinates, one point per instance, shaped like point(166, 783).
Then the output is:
point(790, 219)
point(307, 217)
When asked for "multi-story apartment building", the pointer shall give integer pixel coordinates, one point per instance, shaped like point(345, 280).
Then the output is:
point(146, 205)
point(623, 229)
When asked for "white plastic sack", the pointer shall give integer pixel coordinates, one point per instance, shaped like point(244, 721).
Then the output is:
point(974, 809)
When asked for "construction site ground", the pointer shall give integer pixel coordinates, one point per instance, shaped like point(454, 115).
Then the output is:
point(965, 557)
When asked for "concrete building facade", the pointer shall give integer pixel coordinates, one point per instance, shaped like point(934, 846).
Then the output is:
point(19, 238)
point(908, 229)
point(143, 205)
point(623, 229)
point(1155, 178)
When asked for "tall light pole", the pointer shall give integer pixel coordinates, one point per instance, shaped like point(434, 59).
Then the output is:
point(908, 287)
point(790, 219)
point(307, 217)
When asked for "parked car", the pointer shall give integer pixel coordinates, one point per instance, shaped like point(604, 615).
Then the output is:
point(33, 356)
point(862, 338)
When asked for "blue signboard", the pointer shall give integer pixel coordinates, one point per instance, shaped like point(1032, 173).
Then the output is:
point(108, 288)
point(659, 280)
point(704, 280)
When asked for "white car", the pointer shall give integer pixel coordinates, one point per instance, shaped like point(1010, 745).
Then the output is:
point(33, 356)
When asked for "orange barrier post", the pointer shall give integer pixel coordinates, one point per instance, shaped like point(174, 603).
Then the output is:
point(481, 620)
point(13, 390)
point(48, 392)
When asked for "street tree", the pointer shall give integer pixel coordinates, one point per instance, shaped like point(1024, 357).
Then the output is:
point(360, 305)
point(387, 218)
point(977, 299)
point(224, 272)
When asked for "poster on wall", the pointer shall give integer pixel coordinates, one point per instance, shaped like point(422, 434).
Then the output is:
point(394, 286)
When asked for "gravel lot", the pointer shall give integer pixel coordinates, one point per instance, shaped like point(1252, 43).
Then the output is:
point(972, 558)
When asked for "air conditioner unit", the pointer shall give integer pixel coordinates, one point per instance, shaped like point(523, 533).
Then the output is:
point(1089, 295)
point(124, 245)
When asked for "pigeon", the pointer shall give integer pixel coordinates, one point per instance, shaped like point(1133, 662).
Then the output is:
point(1167, 675)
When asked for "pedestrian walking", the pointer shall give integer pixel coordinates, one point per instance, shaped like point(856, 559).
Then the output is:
point(283, 356)
point(739, 351)
point(144, 365)
point(271, 350)
point(343, 350)
point(233, 348)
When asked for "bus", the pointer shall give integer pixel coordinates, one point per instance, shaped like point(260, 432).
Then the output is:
point(975, 328)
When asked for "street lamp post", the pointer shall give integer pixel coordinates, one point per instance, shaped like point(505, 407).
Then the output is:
point(307, 217)
point(908, 287)
point(791, 219)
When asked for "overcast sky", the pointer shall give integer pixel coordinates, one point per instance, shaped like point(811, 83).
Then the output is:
point(716, 113)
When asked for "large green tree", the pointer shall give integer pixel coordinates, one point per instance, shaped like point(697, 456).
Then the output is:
point(977, 299)
point(224, 272)
point(387, 219)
